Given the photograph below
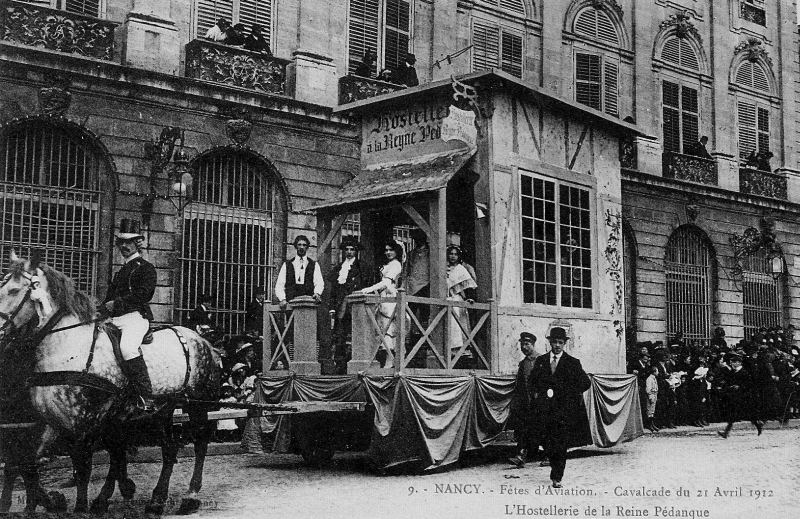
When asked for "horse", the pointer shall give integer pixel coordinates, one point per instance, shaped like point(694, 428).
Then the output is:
point(77, 385)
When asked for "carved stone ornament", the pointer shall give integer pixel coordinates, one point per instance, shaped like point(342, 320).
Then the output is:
point(54, 100)
point(683, 25)
point(238, 130)
point(614, 258)
point(691, 212)
point(754, 51)
point(608, 4)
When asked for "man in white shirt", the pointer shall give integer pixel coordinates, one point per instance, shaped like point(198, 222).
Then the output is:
point(344, 279)
point(217, 31)
point(299, 276)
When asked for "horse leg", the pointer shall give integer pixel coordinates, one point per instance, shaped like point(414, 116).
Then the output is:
point(202, 437)
point(169, 456)
point(100, 503)
point(10, 474)
point(126, 485)
point(82, 462)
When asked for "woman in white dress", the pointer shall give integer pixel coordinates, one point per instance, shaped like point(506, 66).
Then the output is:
point(460, 278)
point(387, 287)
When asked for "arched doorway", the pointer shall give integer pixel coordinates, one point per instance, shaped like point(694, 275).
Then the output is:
point(233, 234)
point(57, 189)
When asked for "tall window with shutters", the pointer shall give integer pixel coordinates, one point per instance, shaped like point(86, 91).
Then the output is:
point(247, 12)
point(681, 116)
point(753, 128)
point(596, 78)
point(382, 26)
point(87, 7)
point(494, 46)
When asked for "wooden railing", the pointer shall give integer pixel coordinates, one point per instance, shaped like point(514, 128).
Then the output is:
point(290, 337)
point(235, 66)
point(57, 30)
point(407, 333)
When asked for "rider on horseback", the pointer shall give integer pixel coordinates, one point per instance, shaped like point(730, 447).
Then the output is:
point(127, 301)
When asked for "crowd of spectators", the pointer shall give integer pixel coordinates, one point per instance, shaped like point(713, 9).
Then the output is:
point(237, 35)
point(685, 382)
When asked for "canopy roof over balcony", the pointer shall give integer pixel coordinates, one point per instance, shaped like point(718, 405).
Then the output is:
point(399, 179)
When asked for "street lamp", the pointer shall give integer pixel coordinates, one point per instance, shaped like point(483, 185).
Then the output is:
point(776, 264)
point(164, 158)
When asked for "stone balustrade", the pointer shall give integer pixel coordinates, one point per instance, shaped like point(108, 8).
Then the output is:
point(762, 183)
point(690, 168)
point(355, 88)
point(58, 30)
point(230, 65)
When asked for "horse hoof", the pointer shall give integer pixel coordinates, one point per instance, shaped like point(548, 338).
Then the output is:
point(99, 506)
point(154, 508)
point(189, 505)
point(58, 502)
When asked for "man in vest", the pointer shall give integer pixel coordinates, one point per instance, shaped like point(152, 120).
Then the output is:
point(127, 302)
point(299, 276)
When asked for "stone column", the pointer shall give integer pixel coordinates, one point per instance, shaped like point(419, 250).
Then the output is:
point(151, 38)
point(312, 78)
point(305, 360)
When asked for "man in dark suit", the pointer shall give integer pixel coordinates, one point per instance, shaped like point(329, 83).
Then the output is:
point(345, 278)
point(557, 385)
point(127, 302)
point(739, 394)
point(527, 444)
point(200, 318)
point(254, 314)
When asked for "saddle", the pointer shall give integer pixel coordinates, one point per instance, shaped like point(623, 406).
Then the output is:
point(115, 334)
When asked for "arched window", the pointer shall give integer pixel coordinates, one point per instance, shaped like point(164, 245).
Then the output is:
point(629, 256)
point(512, 6)
point(246, 12)
point(233, 234)
point(753, 108)
point(762, 294)
point(595, 24)
point(753, 75)
point(690, 274)
point(51, 179)
point(678, 51)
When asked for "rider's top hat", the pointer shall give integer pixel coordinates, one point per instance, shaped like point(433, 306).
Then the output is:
point(557, 332)
point(129, 230)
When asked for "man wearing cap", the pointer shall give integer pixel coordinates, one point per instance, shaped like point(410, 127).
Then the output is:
point(200, 318)
point(299, 276)
point(345, 278)
point(254, 314)
point(557, 385)
point(738, 392)
point(127, 302)
point(521, 402)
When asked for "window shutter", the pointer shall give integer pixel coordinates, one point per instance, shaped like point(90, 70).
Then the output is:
point(763, 129)
point(485, 45)
point(587, 80)
point(747, 128)
point(760, 81)
point(511, 58)
point(257, 11)
point(87, 7)
point(752, 75)
point(688, 58)
point(398, 20)
point(689, 117)
point(671, 110)
point(671, 51)
point(610, 87)
point(515, 6)
point(208, 11)
point(363, 30)
point(595, 24)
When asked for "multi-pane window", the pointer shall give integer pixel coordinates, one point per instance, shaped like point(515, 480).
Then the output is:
point(494, 46)
point(678, 51)
point(689, 271)
point(247, 12)
point(753, 128)
point(87, 7)
point(50, 199)
point(382, 26)
point(762, 294)
point(681, 118)
point(596, 82)
point(556, 243)
point(753, 11)
point(232, 233)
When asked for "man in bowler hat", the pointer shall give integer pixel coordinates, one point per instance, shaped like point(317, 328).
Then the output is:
point(557, 385)
point(527, 446)
point(345, 278)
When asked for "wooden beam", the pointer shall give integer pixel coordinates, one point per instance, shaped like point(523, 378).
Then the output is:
point(336, 224)
point(578, 147)
point(418, 219)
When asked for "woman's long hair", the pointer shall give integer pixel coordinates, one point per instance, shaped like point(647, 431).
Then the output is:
point(398, 250)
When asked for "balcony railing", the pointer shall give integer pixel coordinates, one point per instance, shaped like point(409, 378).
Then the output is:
point(690, 168)
point(762, 183)
point(58, 30)
point(354, 88)
point(235, 66)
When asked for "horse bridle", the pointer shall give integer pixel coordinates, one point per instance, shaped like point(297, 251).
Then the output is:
point(9, 325)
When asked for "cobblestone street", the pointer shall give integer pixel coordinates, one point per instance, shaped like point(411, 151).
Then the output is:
point(742, 477)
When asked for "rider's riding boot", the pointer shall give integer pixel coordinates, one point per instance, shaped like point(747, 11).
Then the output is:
point(137, 371)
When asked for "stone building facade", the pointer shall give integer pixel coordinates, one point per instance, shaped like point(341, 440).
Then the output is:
point(88, 89)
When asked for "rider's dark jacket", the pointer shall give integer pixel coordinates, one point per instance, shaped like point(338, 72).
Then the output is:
point(132, 288)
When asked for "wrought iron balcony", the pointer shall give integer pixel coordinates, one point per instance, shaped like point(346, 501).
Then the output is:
point(689, 167)
point(354, 88)
point(58, 30)
point(235, 66)
point(762, 183)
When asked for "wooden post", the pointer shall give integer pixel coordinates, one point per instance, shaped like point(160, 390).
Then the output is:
point(362, 345)
point(400, 341)
point(438, 269)
point(323, 320)
point(266, 352)
point(305, 336)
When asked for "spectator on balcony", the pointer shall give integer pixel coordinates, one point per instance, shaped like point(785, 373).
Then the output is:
point(367, 65)
point(762, 160)
point(235, 35)
point(407, 74)
point(698, 149)
point(256, 42)
point(217, 32)
point(387, 75)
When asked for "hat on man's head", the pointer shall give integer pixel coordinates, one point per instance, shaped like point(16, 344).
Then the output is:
point(236, 367)
point(527, 336)
point(557, 332)
point(243, 346)
point(734, 355)
point(349, 241)
point(129, 230)
point(410, 58)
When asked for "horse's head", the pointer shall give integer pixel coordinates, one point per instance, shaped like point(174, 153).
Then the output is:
point(23, 294)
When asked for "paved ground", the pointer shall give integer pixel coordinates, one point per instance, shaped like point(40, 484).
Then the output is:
point(743, 477)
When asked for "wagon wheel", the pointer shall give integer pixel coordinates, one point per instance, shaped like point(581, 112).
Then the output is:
point(316, 445)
